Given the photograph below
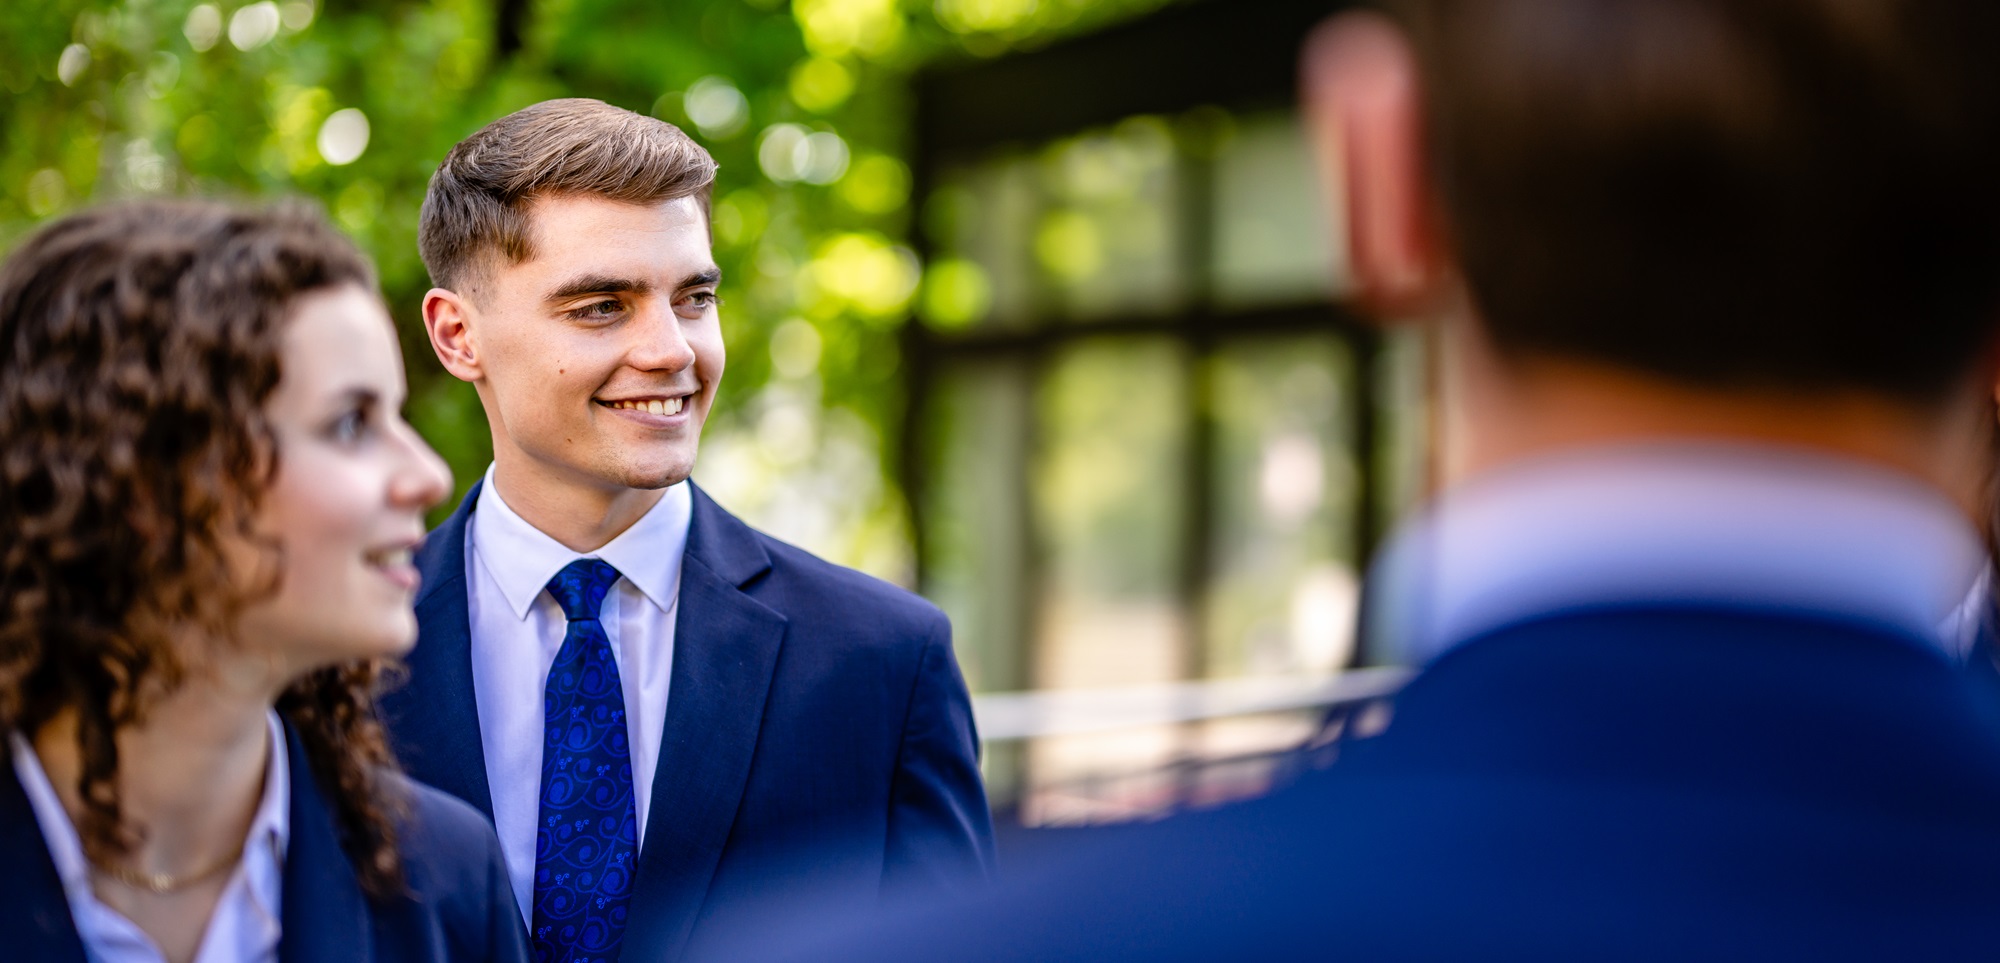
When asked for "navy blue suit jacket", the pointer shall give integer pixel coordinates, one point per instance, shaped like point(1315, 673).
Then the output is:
point(459, 906)
point(818, 743)
point(1620, 784)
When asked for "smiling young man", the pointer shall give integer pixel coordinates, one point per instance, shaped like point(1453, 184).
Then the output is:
point(661, 709)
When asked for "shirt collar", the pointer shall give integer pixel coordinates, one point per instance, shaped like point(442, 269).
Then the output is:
point(270, 826)
point(1709, 523)
point(522, 558)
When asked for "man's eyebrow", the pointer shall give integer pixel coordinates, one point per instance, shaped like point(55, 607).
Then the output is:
point(710, 276)
point(583, 284)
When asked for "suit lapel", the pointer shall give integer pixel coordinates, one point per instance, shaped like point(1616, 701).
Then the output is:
point(435, 716)
point(325, 914)
point(725, 651)
point(34, 913)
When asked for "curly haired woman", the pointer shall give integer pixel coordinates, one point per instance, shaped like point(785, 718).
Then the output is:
point(208, 501)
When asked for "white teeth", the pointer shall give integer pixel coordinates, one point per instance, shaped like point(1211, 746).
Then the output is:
point(669, 406)
point(394, 556)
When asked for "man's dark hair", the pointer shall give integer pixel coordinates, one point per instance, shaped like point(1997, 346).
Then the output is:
point(1763, 194)
point(478, 201)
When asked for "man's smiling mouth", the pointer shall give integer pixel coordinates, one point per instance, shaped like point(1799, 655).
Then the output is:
point(657, 406)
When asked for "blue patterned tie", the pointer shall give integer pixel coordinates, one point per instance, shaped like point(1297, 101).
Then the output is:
point(586, 843)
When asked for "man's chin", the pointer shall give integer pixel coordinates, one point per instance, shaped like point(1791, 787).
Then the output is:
point(654, 477)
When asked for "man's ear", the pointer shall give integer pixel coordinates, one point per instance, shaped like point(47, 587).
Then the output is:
point(448, 321)
point(1363, 108)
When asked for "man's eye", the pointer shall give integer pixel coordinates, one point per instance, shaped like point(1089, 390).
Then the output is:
point(607, 308)
point(706, 299)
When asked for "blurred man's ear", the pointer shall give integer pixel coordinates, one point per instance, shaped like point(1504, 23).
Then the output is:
point(1363, 110)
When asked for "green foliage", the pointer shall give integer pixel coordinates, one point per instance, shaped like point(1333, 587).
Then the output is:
point(803, 106)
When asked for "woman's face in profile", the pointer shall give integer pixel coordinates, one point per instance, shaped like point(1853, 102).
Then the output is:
point(346, 505)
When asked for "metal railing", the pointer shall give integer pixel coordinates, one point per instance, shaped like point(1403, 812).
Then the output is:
point(1345, 706)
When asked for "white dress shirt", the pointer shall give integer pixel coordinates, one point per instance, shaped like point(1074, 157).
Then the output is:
point(517, 629)
point(245, 925)
point(1675, 523)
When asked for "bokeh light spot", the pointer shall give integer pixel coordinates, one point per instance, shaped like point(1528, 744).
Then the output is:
point(74, 61)
point(976, 16)
point(296, 15)
point(344, 136)
point(877, 184)
point(1069, 246)
point(47, 192)
point(741, 216)
point(821, 84)
point(359, 205)
point(163, 71)
point(795, 348)
point(254, 25)
point(716, 107)
point(957, 293)
point(203, 27)
point(778, 152)
point(824, 158)
point(867, 273)
point(835, 28)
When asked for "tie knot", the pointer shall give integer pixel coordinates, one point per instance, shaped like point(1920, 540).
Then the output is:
point(581, 586)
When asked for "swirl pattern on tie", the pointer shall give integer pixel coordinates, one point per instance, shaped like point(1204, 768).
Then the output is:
point(586, 843)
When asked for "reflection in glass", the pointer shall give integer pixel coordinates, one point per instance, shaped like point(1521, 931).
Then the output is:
point(977, 551)
point(1108, 496)
point(985, 217)
point(1273, 244)
point(1107, 244)
point(1283, 586)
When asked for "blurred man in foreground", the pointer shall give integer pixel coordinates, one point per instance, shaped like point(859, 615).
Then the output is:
point(1723, 282)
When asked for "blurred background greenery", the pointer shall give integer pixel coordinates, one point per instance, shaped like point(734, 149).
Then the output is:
point(1031, 305)
point(353, 102)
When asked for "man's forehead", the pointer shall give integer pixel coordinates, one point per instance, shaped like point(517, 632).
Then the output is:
point(668, 237)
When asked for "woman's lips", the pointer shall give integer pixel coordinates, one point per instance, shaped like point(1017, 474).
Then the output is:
point(397, 565)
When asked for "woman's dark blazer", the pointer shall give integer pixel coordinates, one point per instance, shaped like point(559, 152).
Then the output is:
point(459, 906)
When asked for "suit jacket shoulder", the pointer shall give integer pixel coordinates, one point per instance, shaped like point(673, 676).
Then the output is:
point(797, 581)
point(849, 598)
point(866, 707)
point(456, 903)
point(1634, 785)
point(454, 871)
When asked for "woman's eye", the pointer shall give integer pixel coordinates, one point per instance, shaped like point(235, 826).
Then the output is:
point(349, 427)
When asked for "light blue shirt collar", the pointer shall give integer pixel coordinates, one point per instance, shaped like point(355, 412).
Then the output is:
point(1680, 523)
point(523, 559)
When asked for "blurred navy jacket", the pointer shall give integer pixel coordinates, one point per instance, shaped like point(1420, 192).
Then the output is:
point(818, 744)
point(459, 905)
point(1615, 754)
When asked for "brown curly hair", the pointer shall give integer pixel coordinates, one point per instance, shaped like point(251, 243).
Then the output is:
point(139, 343)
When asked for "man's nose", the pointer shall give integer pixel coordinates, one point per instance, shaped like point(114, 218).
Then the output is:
point(659, 344)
